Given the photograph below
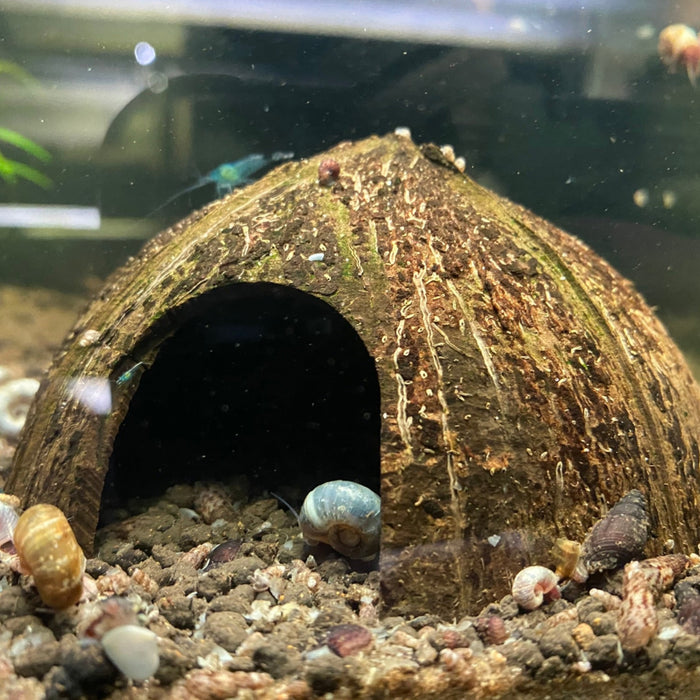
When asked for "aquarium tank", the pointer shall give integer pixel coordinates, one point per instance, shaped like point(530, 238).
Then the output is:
point(349, 349)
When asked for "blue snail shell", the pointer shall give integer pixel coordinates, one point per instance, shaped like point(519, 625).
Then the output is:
point(345, 515)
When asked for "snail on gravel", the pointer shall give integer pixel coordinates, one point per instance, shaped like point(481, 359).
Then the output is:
point(618, 537)
point(344, 515)
point(48, 550)
point(534, 584)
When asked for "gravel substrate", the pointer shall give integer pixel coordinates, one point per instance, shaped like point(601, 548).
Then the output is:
point(266, 617)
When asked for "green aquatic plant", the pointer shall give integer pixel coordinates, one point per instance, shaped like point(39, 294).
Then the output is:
point(13, 170)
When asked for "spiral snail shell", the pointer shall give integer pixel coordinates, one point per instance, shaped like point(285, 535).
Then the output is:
point(532, 585)
point(48, 551)
point(619, 537)
point(345, 515)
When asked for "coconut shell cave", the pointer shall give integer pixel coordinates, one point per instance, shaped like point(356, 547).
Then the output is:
point(398, 325)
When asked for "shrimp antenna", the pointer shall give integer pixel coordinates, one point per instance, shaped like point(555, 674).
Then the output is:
point(283, 502)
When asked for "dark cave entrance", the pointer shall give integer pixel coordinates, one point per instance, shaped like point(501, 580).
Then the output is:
point(257, 379)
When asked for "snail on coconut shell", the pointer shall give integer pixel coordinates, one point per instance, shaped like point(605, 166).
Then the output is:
point(619, 537)
point(48, 550)
point(345, 515)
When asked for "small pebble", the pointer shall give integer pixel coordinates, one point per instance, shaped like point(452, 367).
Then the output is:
point(348, 639)
point(227, 629)
point(552, 667)
point(525, 654)
point(36, 661)
point(603, 623)
point(686, 651)
point(491, 629)
point(277, 659)
point(605, 652)
point(426, 653)
point(325, 674)
point(133, 650)
point(584, 635)
point(559, 642)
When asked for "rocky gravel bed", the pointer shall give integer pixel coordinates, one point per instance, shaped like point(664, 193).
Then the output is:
point(243, 608)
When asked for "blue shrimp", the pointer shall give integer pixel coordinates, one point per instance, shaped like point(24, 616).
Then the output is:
point(228, 176)
point(130, 373)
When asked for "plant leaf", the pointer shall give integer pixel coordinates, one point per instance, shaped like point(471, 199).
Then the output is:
point(7, 172)
point(10, 170)
point(25, 144)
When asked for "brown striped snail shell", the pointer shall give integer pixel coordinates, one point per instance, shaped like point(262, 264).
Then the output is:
point(48, 550)
point(619, 537)
point(345, 515)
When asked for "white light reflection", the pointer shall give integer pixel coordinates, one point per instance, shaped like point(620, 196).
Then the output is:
point(144, 53)
point(94, 393)
point(49, 216)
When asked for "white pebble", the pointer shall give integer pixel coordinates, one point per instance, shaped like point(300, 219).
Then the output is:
point(215, 660)
point(321, 652)
point(133, 650)
point(670, 631)
point(316, 257)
